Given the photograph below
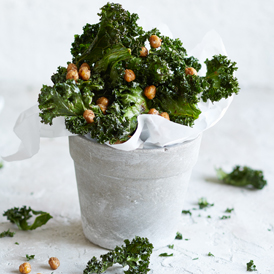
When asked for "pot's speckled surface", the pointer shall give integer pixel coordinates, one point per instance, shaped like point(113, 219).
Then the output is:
point(127, 193)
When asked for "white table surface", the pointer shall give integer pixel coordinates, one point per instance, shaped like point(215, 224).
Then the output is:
point(47, 182)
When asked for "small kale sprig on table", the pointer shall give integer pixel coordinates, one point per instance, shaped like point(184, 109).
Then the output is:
point(20, 217)
point(115, 46)
point(134, 254)
point(242, 176)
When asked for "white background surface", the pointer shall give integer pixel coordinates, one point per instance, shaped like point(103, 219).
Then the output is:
point(35, 39)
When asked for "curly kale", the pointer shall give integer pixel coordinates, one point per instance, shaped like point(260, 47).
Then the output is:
point(20, 217)
point(110, 47)
point(219, 80)
point(134, 254)
point(242, 176)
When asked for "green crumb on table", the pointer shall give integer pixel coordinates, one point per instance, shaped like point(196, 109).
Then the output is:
point(16, 243)
point(7, 233)
point(195, 259)
point(30, 257)
point(210, 254)
point(225, 217)
point(187, 212)
point(179, 236)
point(170, 246)
point(208, 216)
point(186, 239)
point(251, 266)
point(229, 210)
point(165, 255)
point(203, 203)
point(1, 164)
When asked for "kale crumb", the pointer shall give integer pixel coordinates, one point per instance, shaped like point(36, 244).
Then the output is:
point(165, 255)
point(30, 257)
point(251, 266)
point(179, 236)
point(203, 203)
point(210, 254)
point(7, 233)
point(225, 217)
point(187, 212)
point(170, 246)
point(229, 210)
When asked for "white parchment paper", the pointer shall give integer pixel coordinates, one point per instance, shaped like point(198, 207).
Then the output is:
point(152, 130)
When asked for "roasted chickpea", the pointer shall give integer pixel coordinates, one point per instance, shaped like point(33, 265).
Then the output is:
point(155, 41)
point(54, 263)
point(25, 268)
point(190, 71)
point(165, 115)
point(89, 116)
point(143, 52)
point(102, 101)
point(84, 73)
point(72, 74)
point(129, 75)
point(153, 111)
point(103, 108)
point(71, 66)
point(150, 92)
point(85, 65)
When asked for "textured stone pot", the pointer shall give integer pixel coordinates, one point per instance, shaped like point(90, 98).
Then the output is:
point(124, 194)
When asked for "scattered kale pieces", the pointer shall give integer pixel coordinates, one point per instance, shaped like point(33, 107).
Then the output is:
point(134, 254)
point(187, 212)
point(179, 236)
point(203, 203)
point(113, 45)
point(170, 246)
point(195, 259)
point(210, 254)
point(30, 257)
point(165, 255)
point(7, 233)
point(16, 243)
point(20, 216)
point(229, 210)
point(208, 216)
point(250, 266)
point(242, 176)
point(225, 217)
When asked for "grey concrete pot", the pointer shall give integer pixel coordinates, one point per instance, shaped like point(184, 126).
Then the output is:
point(124, 194)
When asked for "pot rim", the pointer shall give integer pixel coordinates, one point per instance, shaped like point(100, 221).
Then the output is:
point(142, 150)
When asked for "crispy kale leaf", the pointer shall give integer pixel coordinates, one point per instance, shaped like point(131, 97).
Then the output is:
point(20, 216)
point(63, 99)
point(119, 122)
point(117, 27)
point(242, 176)
point(134, 254)
point(219, 80)
point(59, 76)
